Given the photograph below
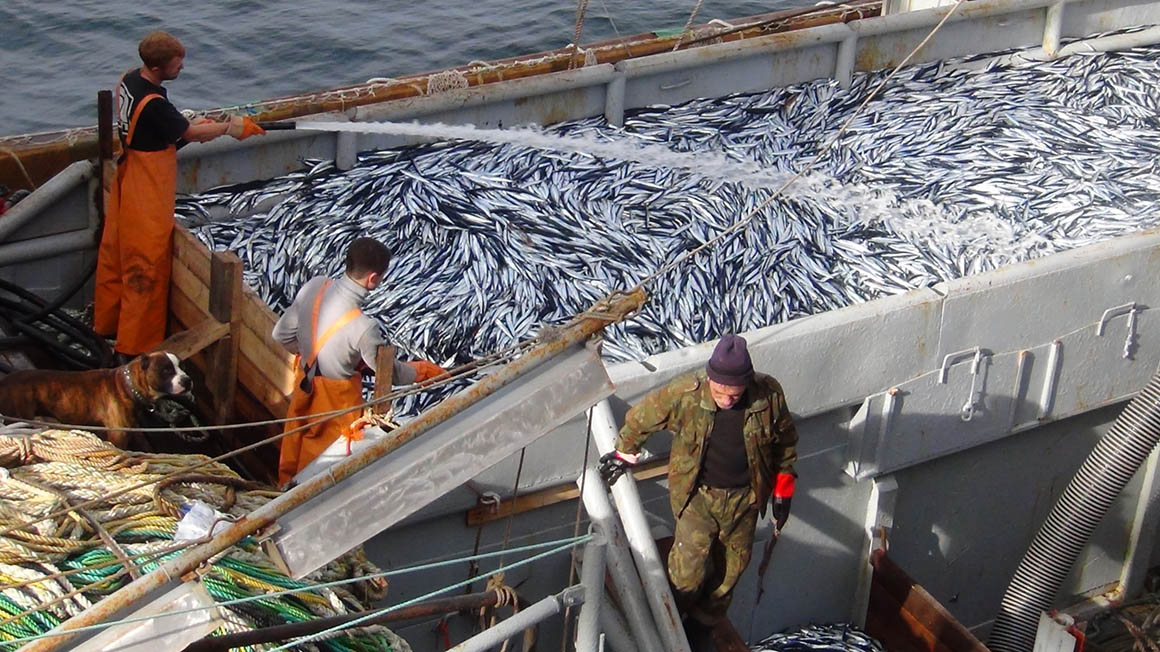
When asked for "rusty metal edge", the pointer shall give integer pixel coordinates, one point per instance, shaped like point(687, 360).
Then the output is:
point(920, 617)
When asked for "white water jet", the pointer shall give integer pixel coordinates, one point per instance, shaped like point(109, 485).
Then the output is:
point(915, 220)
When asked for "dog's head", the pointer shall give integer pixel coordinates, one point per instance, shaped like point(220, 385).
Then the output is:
point(159, 374)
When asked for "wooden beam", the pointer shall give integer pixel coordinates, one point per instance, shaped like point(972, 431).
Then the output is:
point(277, 367)
point(384, 377)
point(190, 341)
point(552, 495)
point(192, 253)
point(225, 302)
point(183, 280)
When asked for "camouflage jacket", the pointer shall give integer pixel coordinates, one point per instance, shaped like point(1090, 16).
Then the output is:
point(686, 408)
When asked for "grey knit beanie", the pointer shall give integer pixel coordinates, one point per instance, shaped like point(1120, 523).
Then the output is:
point(730, 363)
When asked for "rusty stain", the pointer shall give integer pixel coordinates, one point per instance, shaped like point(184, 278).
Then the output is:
point(551, 109)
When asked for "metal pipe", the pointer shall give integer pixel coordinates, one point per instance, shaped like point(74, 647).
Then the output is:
point(515, 89)
point(345, 150)
point(614, 100)
point(844, 64)
point(592, 578)
point(731, 50)
point(526, 618)
point(923, 18)
point(294, 630)
point(619, 562)
point(614, 628)
point(47, 246)
point(579, 330)
point(1052, 28)
point(644, 548)
point(44, 197)
point(1113, 43)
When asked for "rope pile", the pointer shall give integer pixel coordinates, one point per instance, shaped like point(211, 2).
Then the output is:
point(63, 564)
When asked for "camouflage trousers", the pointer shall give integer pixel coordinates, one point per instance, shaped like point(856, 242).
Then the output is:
point(711, 548)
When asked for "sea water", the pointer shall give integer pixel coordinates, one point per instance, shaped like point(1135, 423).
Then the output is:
point(55, 56)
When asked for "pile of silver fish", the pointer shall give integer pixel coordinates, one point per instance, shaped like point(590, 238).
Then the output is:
point(838, 638)
point(955, 168)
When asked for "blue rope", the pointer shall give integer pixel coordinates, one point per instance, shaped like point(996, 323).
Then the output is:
point(562, 543)
point(342, 626)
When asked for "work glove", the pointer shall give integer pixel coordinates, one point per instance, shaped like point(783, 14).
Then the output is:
point(782, 497)
point(242, 127)
point(425, 370)
point(613, 464)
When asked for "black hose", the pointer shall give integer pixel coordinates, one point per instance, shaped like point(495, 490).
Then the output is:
point(67, 294)
point(1061, 538)
point(30, 319)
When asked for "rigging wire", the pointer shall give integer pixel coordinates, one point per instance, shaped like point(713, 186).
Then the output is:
point(688, 25)
point(576, 523)
point(581, 9)
point(557, 546)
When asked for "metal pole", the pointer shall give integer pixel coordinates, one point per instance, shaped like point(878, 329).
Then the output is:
point(592, 578)
point(579, 330)
point(644, 548)
point(526, 618)
point(45, 196)
point(1052, 28)
point(619, 561)
point(614, 629)
point(294, 630)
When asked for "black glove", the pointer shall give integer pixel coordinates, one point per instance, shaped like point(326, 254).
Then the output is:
point(780, 511)
point(612, 466)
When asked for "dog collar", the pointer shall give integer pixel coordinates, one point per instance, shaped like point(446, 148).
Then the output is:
point(133, 391)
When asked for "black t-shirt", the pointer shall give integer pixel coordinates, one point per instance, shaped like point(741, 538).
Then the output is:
point(726, 464)
point(160, 124)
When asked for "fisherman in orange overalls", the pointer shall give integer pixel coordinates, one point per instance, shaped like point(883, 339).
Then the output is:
point(333, 341)
point(132, 286)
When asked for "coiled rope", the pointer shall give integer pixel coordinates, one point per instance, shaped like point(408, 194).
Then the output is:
point(66, 562)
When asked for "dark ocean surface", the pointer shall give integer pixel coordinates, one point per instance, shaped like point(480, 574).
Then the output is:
point(55, 56)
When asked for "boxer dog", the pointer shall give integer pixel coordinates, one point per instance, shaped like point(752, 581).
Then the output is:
point(113, 398)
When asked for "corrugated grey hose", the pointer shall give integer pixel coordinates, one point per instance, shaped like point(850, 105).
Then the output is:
point(1074, 517)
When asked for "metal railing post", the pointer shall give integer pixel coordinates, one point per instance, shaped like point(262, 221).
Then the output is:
point(619, 561)
point(644, 548)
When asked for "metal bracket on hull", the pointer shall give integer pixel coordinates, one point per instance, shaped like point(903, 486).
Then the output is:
point(1126, 309)
point(975, 396)
point(925, 417)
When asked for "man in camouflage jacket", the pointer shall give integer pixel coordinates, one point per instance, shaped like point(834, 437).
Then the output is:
point(734, 446)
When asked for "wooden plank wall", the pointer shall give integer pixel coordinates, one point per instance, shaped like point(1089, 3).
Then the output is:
point(265, 369)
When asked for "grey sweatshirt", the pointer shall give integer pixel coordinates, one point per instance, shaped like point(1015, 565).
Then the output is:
point(355, 341)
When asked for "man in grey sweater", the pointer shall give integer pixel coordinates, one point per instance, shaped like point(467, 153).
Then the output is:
point(333, 341)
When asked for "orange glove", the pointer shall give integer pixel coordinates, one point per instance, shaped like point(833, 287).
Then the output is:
point(355, 432)
point(425, 370)
point(242, 127)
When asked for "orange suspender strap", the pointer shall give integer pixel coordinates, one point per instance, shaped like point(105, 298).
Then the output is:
point(137, 114)
point(321, 340)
